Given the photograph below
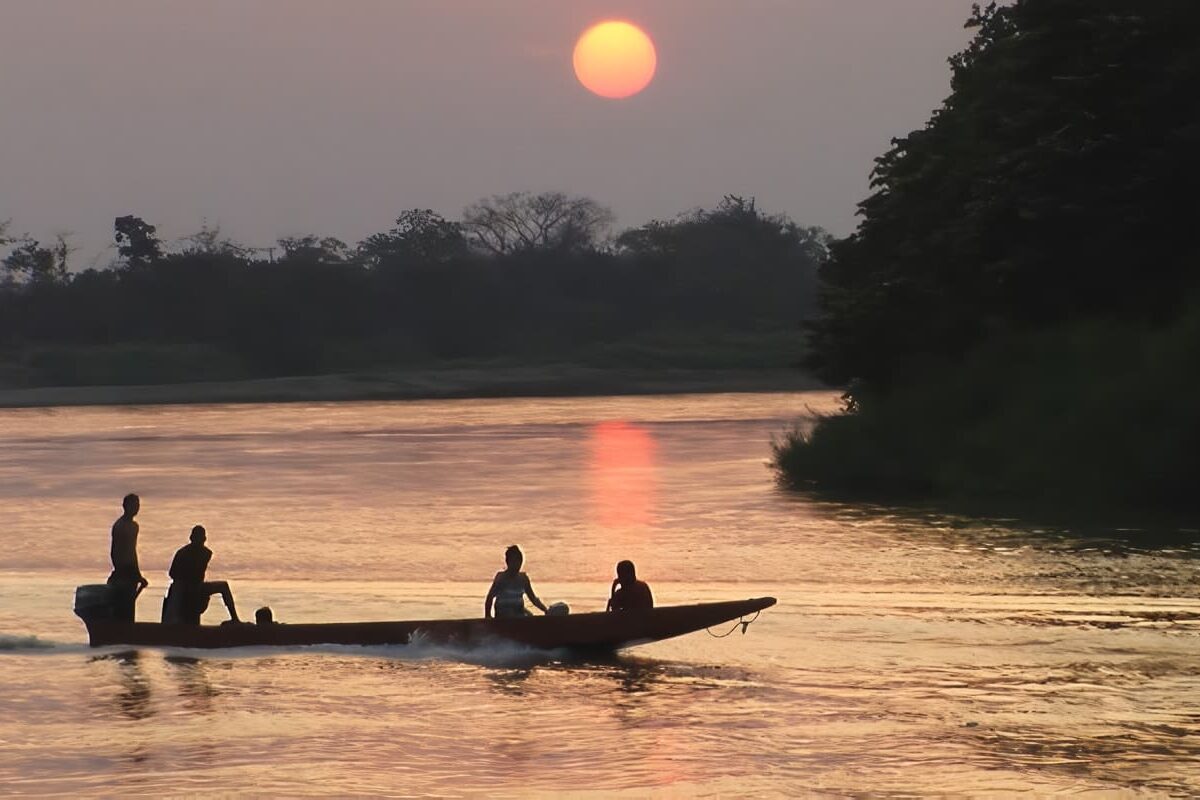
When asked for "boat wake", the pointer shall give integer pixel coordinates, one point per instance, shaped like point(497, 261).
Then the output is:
point(493, 653)
point(30, 643)
point(497, 653)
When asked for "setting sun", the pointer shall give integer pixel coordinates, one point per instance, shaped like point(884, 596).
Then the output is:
point(615, 59)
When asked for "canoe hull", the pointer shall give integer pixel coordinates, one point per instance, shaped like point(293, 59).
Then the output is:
point(594, 631)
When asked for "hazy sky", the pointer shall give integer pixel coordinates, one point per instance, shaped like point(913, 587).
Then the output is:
point(278, 117)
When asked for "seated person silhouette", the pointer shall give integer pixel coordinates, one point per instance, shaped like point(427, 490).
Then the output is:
point(509, 588)
point(633, 595)
point(264, 616)
point(189, 594)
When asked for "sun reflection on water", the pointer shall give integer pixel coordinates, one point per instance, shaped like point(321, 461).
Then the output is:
point(623, 475)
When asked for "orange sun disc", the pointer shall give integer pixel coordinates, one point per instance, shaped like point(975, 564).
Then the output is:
point(615, 59)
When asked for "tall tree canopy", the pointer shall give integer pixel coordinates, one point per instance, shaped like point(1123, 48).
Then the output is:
point(1056, 182)
point(137, 241)
point(312, 249)
point(30, 262)
point(726, 257)
point(420, 237)
point(522, 222)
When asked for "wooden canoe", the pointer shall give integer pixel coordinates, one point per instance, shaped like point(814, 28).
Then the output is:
point(593, 631)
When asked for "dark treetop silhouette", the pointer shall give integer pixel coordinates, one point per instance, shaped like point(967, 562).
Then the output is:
point(526, 277)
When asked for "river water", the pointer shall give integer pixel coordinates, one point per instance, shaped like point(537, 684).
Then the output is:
point(911, 653)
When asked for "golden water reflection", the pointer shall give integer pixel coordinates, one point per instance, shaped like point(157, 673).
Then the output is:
point(623, 475)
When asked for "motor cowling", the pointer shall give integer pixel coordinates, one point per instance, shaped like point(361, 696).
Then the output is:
point(94, 601)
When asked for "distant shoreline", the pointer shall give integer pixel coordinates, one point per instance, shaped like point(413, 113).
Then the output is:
point(425, 384)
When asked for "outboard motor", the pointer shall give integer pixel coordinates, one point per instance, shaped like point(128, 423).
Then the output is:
point(93, 602)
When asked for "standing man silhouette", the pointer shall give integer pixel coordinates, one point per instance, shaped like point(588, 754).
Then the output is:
point(126, 579)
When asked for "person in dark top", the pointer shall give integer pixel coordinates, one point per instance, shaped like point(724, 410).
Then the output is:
point(189, 594)
point(126, 580)
point(633, 595)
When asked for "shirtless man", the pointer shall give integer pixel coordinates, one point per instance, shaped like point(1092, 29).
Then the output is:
point(126, 579)
point(189, 593)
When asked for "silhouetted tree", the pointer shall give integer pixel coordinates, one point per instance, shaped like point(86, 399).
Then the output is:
point(31, 263)
point(734, 262)
point(735, 222)
point(314, 249)
point(1018, 313)
point(209, 241)
point(420, 236)
point(6, 278)
point(523, 222)
point(1051, 185)
point(63, 249)
point(137, 241)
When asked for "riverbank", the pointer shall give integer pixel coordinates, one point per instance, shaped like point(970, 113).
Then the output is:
point(1087, 414)
point(548, 380)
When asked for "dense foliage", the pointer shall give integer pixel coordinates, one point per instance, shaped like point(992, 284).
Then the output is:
point(521, 276)
point(1090, 412)
point(1057, 181)
point(1016, 312)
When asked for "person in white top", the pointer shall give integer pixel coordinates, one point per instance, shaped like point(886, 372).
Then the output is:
point(509, 589)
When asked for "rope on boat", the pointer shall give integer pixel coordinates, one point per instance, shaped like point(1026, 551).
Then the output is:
point(741, 623)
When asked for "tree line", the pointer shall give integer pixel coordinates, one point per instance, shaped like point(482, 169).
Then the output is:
point(520, 275)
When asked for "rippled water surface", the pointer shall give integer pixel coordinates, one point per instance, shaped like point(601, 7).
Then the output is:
point(912, 652)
